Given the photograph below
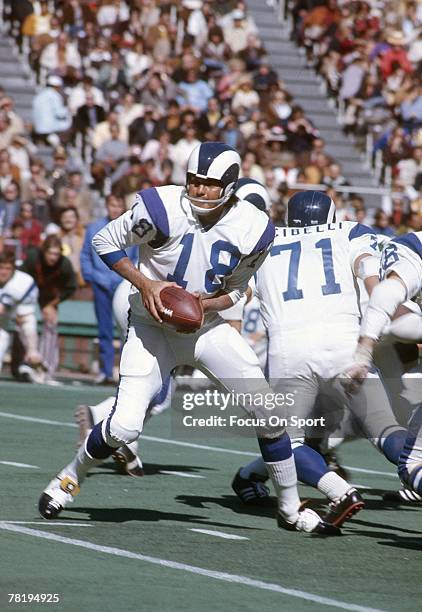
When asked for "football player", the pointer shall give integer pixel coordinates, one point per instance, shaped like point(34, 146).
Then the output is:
point(202, 239)
point(401, 270)
point(308, 283)
point(18, 299)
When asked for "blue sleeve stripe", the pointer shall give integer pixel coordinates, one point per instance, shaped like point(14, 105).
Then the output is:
point(266, 238)
point(411, 241)
point(27, 292)
point(360, 230)
point(111, 258)
point(156, 210)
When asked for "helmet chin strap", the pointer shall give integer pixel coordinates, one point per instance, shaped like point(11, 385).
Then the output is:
point(200, 210)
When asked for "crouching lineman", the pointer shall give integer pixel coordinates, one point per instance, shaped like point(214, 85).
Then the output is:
point(18, 299)
point(401, 271)
point(204, 240)
point(308, 283)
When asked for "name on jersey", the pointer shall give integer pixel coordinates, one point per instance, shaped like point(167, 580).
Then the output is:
point(300, 231)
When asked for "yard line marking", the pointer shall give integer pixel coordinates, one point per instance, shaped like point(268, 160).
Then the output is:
point(215, 449)
point(193, 569)
point(365, 471)
point(24, 465)
point(45, 523)
point(182, 474)
point(220, 534)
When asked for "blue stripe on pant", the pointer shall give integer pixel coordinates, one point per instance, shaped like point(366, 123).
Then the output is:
point(410, 462)
point(103, 304)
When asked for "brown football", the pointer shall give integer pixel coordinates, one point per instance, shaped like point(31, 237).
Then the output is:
point(183, 311)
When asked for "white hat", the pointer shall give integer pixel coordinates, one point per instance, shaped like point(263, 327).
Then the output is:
point(55, 81)
point(192, 4)
point(238, 14)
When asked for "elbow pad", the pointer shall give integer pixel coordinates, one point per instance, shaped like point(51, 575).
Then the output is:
point(368, 266)
point(385, 299)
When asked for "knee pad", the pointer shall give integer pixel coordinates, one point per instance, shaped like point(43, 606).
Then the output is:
point(115, 432)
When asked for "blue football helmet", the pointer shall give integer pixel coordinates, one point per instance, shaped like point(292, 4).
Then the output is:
point(213, 160)
point(310, 208)
point(254, 192)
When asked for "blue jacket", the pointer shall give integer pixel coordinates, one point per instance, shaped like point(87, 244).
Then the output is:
point(93, 269)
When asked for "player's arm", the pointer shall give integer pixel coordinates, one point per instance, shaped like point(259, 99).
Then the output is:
point(133, 228)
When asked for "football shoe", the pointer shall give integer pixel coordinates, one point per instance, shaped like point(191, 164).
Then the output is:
point(128, 462)
point(58, 494)
point(344, 508)
point(309, 522)
point(251, 490)
point(404, 496)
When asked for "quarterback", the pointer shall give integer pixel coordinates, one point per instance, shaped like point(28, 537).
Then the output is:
point(202, 239)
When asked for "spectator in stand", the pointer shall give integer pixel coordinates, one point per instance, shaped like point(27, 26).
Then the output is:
point(71, 234)
point(15, 122)
point(112, 76)
point(194, 92)
point(236, 34)
point(87, 117)
point(6, 130)
point(112, 151)
point(145, 128)
point(83, 196)
point(228, 131)
point(180, 154)
point(245, 96)
point(56, 281)
point(76, 14)
point(253, 53)
point(102, 130)
point(132, 180)
point(62, 57)
point(409, 167)
point(333, 176)
point(104, 284)
point(79, 95)
point(396, 54)
point(29, 228)
point(10, 204)
point(51, 117)
point(382, 224)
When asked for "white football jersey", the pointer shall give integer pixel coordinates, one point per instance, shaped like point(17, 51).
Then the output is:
point(403, 255)
point(176, 247)
point(19, 296)
point(309, 275)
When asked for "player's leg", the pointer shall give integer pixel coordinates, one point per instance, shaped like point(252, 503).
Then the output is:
point(410, 460)
point(224, 354)
point(145, 362)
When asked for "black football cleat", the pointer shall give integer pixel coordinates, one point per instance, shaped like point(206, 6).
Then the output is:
point(405, 497)
point(58, 494)
point(344, 508)
point(309, 522)
point(128, 462)
point(252, 491)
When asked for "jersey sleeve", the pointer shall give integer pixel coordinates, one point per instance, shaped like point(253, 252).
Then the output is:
point(146, 222)
point(26, 302)
point(363, 241)
point(403, 256)
point(250, 263)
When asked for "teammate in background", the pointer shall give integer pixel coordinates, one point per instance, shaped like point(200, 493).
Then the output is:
point(401, 269)
point(309, 284)
point(204, 240)
point(18, 301)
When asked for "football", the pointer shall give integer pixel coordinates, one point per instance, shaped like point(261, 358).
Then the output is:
point(183, 311)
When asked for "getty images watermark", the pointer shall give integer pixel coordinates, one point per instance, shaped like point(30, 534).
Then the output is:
point(264, 409)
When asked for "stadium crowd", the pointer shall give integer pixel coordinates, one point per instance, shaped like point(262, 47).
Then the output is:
point(127, 89)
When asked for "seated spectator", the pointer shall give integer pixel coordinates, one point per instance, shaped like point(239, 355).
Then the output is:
point(6, 130)
point(145, 128)
point(216, 52)
point(236, 34)
point(333, 176)
point(19, 157)
point(382, 224)
point(56, 282)
point(112, 151)
point(208, 120)
point(15, 122)
point(396, 54)
point(300, 131)
point(83, 196)
point(10, 204)
point(160, 37)
point(79, 95)
point(71, 234)
point(158, 92)
point(62, 57)
point(87, 117)
point(245, 96)
point(112, 75)
point(102, 130)
point(279, 108)
point(128, 109)
point(194, 92)
point(253, 53)
point(50, 115)
point(180, 154)
point(131, 180)
point(410, 167)
point(137, 62)
point(29, 228)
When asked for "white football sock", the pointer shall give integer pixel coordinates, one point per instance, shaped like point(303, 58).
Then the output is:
point(333, 486)
point(79, 467)
point(284, 478)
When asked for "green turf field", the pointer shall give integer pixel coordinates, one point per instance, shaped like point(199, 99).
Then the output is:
point(130, 544)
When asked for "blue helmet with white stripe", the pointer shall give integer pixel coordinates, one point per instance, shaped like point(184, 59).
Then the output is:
point(217, 161)
point(310, 208)
point(254, 192)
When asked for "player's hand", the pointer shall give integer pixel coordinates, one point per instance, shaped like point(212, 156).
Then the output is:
point(354, 375)
point(150, 295)
point(49, 314)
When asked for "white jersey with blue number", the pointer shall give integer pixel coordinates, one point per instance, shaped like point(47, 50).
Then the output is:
point(309, 297)
point(403, 255)
point(176, 247)
point(18, 296)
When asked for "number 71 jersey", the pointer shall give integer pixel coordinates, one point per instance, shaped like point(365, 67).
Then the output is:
point(308, 277)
